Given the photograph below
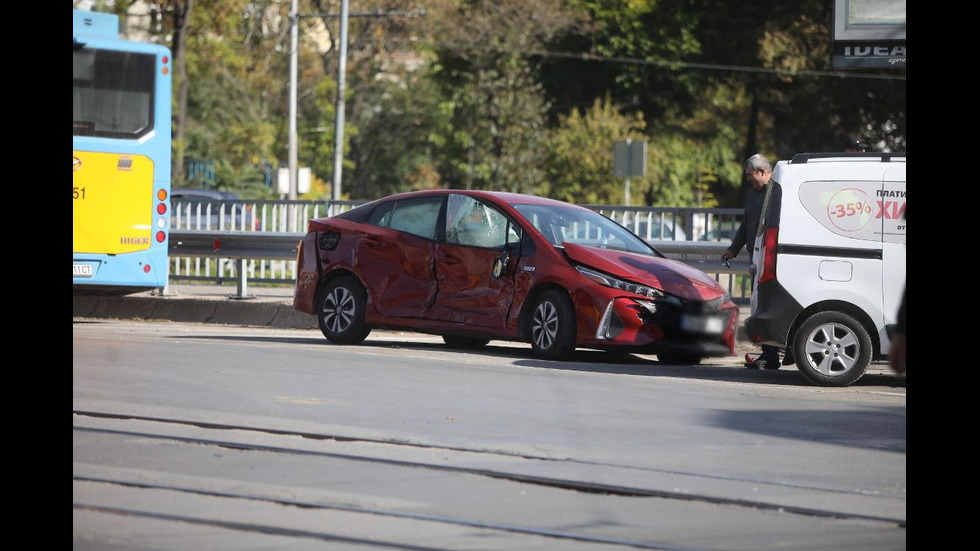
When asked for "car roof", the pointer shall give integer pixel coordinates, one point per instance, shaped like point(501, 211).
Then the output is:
point(502, 196)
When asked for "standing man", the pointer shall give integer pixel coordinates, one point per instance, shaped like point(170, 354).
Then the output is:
point(761, 211)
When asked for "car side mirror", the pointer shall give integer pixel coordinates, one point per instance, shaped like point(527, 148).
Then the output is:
point(500, 263)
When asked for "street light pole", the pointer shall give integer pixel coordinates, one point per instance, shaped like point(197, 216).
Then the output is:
point(293, 62)
point(338, 154)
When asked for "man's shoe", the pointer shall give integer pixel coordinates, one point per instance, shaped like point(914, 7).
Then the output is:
point(770, 363)
point(759, 361)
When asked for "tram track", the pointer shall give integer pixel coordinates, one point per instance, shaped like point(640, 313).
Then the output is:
point(563, 483)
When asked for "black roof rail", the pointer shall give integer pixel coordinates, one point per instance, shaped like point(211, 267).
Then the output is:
point(800, 158)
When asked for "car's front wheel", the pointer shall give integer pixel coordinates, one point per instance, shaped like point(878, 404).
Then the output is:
point(553, 326)
point(340, 309)
point(832, 349)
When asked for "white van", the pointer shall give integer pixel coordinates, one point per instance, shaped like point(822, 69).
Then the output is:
point(829, 278)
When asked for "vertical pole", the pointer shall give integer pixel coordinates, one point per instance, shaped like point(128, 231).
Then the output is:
point(293, 78)
point(338, 153)
point(629, 168)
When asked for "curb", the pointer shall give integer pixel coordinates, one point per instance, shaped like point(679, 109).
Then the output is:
point(245, 312)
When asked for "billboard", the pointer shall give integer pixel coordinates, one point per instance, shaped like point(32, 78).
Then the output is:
point(869, 34)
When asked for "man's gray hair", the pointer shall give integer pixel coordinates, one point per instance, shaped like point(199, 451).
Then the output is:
point(757, 162)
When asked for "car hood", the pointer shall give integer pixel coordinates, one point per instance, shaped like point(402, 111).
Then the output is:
point(672, 276)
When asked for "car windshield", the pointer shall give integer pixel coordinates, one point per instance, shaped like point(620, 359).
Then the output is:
point(568, 224)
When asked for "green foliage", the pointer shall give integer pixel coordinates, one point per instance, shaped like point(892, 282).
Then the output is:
point(580, 154)
point(395, 149)
point(498, 105)
point(498, 121)
point(504, 94)
point(315, 129)
point(235, 88)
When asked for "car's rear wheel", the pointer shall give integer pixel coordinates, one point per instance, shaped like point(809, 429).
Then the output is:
point(465, 342)
point(340, 309)
point(679, 358)
point(832, 349)
point(553, 326)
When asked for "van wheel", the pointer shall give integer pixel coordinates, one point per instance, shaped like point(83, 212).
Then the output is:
point(832, 349)
point(553, 326)
point(340, 309)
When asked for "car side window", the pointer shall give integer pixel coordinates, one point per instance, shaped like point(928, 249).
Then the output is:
point(381, 215)
point(472, 222)
point(415, 216)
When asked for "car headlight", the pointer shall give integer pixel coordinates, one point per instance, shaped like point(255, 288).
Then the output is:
point(716, 303)
point(616, 283)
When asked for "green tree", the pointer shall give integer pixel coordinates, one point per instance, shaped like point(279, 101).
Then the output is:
point(397, 118)
point(721, 80)
point(580, 154)
point(496, 140)
point(499, 94)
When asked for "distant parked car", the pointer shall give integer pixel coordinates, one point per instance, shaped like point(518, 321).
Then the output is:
point(657, 230)
point(475, 265)
point(726, 233)
point(209, 209)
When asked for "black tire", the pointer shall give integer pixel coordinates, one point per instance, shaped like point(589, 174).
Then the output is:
point(679, 358)
point(553, 326)
point(340, 309)
point(832, 349)
point(464, 342)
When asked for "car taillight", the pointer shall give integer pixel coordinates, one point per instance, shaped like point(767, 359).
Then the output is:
point(770, 240)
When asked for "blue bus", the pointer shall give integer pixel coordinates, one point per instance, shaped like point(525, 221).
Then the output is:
point(120, 159)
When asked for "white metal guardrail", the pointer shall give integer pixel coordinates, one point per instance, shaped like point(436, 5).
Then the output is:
point(650, 223)
point(258, 216)
point(270, 257)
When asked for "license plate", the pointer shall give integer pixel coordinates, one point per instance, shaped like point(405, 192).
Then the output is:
point(702, 324)
point(82, 270)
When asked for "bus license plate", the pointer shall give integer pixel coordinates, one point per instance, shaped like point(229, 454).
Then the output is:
point(82, 270)
point(702, 324)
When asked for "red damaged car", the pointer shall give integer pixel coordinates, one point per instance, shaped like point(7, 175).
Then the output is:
point(474, 266)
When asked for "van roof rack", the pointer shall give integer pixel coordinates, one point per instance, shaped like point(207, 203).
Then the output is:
point(801, 158)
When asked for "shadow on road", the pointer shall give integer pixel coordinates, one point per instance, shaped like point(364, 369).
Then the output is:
point(596, 361)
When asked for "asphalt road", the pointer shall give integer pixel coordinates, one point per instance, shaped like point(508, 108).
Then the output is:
point(271, 306)
point(220, 436)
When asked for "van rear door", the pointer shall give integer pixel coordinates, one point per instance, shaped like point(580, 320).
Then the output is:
point(891, 206)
